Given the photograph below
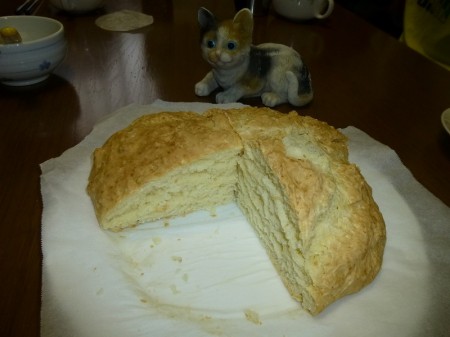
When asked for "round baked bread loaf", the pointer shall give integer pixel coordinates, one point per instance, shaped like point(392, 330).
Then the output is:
point(312, 210)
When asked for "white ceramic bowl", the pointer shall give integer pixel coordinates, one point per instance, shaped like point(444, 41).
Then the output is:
point(42, 49)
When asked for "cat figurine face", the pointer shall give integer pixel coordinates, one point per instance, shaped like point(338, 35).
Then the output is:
point(228, 44)
point(273, 71)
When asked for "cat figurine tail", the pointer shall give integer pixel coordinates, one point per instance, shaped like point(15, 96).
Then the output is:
point(274, 72)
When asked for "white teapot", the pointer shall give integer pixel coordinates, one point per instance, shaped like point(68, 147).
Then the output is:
point(303, 9)
point(77, 6)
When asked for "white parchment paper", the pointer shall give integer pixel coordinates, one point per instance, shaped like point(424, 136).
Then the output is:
point(204, 275)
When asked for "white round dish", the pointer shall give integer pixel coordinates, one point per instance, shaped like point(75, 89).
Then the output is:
point(42, 49)
point(203, 276)
point(445, 119)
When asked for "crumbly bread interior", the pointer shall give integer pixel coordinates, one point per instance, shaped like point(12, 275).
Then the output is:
point(312, 209)
point(324, 243)
point(204, 184)
point(261, 198)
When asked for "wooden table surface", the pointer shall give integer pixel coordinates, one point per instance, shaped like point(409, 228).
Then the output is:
point(361, 76)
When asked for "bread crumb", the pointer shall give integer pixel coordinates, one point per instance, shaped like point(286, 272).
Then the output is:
point(177, 258)
point(252, 316)
point(156, 241)
point(213, 212)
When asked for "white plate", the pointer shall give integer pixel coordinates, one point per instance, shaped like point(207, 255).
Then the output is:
point(208, 276)
point(445, 119)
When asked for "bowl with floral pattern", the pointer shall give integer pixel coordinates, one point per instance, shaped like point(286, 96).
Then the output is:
point(31, 47)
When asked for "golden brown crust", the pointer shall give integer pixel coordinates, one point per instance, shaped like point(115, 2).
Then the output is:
point(149, 148)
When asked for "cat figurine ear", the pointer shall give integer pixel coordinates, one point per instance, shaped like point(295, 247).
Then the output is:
point(243, 18)
point(244, 21)
point(206, 19)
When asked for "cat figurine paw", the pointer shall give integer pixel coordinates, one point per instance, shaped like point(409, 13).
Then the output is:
point(274, 72)
point(202, 89)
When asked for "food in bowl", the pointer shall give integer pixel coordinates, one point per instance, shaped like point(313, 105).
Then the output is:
point(9, 35)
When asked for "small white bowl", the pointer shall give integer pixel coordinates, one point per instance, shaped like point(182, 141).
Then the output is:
point(42, 49)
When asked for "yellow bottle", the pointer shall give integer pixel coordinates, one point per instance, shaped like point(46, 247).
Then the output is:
point(427, 29)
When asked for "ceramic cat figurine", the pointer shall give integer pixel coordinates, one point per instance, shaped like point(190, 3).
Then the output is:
point(273, 71)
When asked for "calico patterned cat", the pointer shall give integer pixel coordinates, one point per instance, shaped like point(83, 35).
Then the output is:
point(273, 71)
